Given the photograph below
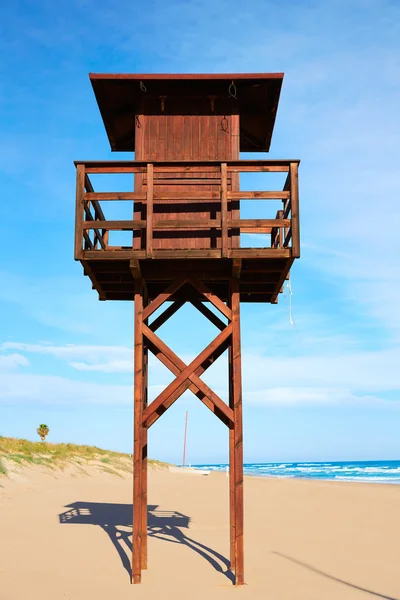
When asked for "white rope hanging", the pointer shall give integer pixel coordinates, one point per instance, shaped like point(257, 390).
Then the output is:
point(289, 287)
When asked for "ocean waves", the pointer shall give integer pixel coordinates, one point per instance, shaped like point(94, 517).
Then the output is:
point(362, 471)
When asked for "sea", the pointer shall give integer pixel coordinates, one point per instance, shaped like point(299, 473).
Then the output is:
point(370, 471)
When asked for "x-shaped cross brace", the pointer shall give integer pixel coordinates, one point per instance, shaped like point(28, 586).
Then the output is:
point(187, 376)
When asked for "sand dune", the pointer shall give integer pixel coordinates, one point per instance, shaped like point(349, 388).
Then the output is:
point(67, 535)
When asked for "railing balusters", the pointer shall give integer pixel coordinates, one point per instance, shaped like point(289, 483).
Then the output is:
point(294, 198)
point(224, 210)
point(284, 228)
point(149, 210)
point(80, 193)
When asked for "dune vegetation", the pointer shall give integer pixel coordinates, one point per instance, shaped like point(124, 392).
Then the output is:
point(15, 451)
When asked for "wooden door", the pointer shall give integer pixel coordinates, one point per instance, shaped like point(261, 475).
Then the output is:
point(189, 137)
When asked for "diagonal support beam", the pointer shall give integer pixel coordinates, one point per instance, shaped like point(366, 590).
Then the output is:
point(186, 373)
point(203, 289)
point(199, 371)
point(168, 312)
point(163, 297)
point(208, 314)
point(200, 388)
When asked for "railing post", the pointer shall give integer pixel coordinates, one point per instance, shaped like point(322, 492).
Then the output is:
point(80, 193)
point(281, 234)
point(224, 210)
point(294, 198)
point(149, 211)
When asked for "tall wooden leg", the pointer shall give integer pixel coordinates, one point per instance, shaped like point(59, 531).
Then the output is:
point(144, 464)
point(138, 429)
point(237, 432)
point(232, 523)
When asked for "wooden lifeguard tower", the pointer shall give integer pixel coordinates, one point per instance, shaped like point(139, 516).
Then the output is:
point(185, 239)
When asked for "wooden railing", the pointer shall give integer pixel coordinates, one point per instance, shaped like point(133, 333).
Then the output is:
point(92, 228)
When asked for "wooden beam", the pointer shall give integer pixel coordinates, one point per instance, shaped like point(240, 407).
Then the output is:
point(203, 289)
point(108, 196)
point(236, 267)
point(258, 223)
point(138, 444)
point(215, 320)
point(98, 285)
point(168, 312)
point(163, 297)
point(187, 385)
point(149, 211)
point(144, 447)
point(278, 286)
point(134, 266)
point(224, 210)
point(186, 373)
point(80, 191)
point(237, 431)
point(177, 366)
point(257, 195)
point(294, 197)
point(232, 513)
point(261, 253)
point(122, 225)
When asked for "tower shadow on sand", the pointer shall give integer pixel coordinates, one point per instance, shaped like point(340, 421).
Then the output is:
point(116, 521)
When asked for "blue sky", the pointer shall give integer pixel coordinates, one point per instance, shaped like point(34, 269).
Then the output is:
point(327, 388)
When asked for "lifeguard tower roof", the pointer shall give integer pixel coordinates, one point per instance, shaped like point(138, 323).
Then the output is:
point(253, 96)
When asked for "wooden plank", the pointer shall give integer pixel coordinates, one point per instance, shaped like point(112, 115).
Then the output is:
point(112, 167)
point(80, 191)
point(149, 211)
point(140, 165)
point(188, 195)
point(238, 432)
point(107, 196)
point(187, 253)
point(259, 169)
point(200, 386)
point(187, 224)
point(163, 297)
point(224, 210)
point(186, 373)
point(257, 195)
point(115, 225)
point(294, 196)
point(138, 446)
point(261, 253)
point(203, 289)
point(258, 223)
point(188, 181)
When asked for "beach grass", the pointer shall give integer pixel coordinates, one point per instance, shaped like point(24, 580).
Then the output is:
point(24, 452)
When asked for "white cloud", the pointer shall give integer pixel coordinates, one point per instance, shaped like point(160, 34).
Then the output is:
point(315, 396)
point(335, 379)
point(108, 359)
point(12, 361)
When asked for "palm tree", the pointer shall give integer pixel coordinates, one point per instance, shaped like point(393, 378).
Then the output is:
point(43, 430)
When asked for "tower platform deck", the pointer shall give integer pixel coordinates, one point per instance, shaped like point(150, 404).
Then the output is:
point(185, 219)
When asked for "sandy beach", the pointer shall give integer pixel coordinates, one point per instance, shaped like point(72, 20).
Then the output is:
point(67, 535)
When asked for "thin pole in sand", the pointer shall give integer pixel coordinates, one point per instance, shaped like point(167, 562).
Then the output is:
point(184, 440)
